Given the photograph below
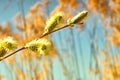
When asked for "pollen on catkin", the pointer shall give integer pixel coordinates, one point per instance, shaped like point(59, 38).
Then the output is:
point(6, 45)
point(53, 22)
point(40, 46)
point(9, 43)
point(79, 18)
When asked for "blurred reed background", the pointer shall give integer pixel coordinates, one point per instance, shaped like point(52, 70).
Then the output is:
point(88, 51)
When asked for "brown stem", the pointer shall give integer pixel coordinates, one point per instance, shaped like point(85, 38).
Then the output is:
point(12, 53)
point(53, 31)
point(39, 37)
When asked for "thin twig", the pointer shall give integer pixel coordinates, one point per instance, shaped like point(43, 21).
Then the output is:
point(12, 53)
point(39, 37)
point(54, 31)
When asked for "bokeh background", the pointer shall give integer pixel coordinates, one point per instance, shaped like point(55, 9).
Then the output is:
point(88, 51)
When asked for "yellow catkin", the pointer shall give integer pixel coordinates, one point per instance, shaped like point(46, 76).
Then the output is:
point(54, 22)
point(41, 46)
point(6, 45)
point(9, 43)
point(79, 18)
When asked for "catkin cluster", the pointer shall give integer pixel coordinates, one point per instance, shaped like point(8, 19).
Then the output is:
point(6, 45)
point(54, 21)
point(42, 46)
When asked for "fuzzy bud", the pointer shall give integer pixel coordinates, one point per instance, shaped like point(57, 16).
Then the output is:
point(41, 46)
point(79, 18)
point(54, 22)
point(9, 43)
point(6, 45)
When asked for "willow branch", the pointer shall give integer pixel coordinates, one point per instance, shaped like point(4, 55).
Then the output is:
point(20, 49)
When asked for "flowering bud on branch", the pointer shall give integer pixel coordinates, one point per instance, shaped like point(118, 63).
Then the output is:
point(78, 18)
point(6, 45)
point(10, 43)
point(41, 46)
point(54, 22)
